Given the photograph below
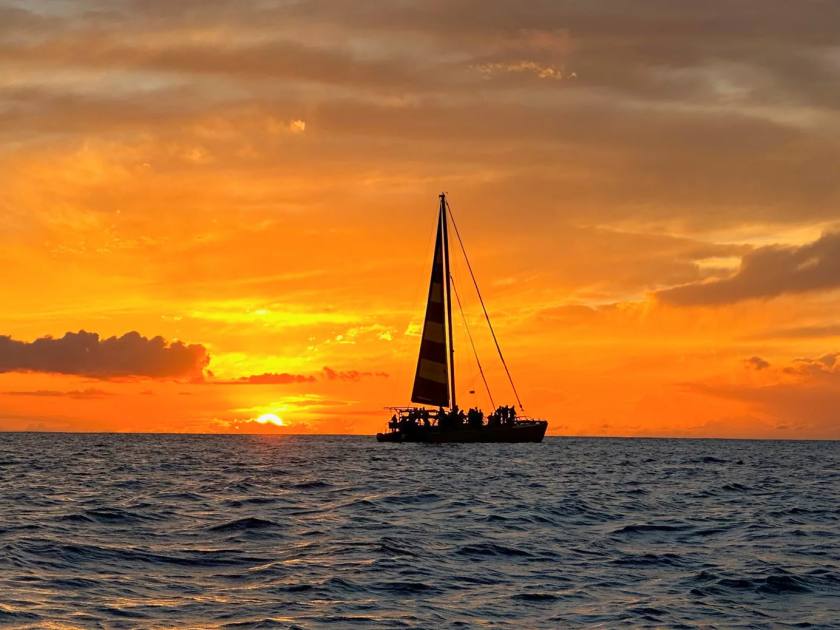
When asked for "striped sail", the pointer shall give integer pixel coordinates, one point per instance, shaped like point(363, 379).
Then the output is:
point(431, 383)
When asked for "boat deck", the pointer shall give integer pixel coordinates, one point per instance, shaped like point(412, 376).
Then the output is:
point(520, 431)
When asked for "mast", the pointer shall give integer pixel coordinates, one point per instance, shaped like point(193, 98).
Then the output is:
point(448, 300)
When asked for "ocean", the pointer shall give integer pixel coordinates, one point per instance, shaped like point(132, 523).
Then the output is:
point(163, 531)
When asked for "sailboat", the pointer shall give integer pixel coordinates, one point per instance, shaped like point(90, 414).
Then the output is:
point(438, 419)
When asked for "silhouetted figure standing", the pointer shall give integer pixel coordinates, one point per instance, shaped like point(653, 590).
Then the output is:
point(442, 419)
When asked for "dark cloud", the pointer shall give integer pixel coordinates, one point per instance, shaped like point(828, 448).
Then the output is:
point(84, 353)
point(613, 43)
point(15, 21)
point(685, 112)
point(768, 272)
point(757, 363)
point(659, 50)
point(695, 116)
point(272, 60)
point(821, 367)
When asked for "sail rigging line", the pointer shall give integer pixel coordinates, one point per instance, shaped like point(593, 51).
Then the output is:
point(483, 307)
point(472, 343)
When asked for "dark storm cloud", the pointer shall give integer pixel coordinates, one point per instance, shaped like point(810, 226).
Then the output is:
point(768, 272)
point(84, 353)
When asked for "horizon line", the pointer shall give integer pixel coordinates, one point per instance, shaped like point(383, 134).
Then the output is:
point(371, 435)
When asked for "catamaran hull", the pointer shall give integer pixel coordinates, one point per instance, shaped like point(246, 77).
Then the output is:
point(524, 432)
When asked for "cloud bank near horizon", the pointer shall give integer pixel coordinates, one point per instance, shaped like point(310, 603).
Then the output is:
point(86, 354)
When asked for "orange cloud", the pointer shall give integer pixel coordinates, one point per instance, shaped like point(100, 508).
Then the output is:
point(269, 378)
point(284, 378)
point(77, 394)
point(768, 272)
point(350, 375)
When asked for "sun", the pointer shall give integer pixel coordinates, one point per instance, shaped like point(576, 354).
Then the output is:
point(270, 418)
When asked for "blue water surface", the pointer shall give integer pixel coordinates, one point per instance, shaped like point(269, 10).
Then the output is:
point(135, 531)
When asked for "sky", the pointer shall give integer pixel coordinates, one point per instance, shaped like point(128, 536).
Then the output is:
point(218, 216)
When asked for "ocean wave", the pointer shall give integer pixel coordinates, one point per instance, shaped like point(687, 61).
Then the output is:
point(734, 487)
point(69, 554)
point(491, 549)
point(311, 485)
point(646, 528)
point(407, 499)
point(650, 559)
point(243, 524)
point(404, 588)
point(536, 597)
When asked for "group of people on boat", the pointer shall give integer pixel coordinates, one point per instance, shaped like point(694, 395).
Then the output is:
point(420, 418)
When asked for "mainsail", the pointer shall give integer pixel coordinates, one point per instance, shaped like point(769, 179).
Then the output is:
point(434, 368)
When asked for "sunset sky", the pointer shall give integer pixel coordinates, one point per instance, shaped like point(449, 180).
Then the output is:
point(236, 202)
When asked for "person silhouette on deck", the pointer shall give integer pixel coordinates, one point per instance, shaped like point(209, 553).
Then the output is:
point(506, 415)
point(460, 416)
point(475, 418)
point(442, 420)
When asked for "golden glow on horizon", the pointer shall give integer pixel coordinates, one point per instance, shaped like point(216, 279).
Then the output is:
point(270, 418)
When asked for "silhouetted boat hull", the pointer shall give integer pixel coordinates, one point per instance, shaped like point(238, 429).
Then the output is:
point(522, 431)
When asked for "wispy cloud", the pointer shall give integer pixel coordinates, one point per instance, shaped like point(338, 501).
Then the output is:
point(76, 394)
point(542, 71)
point(285, 378)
